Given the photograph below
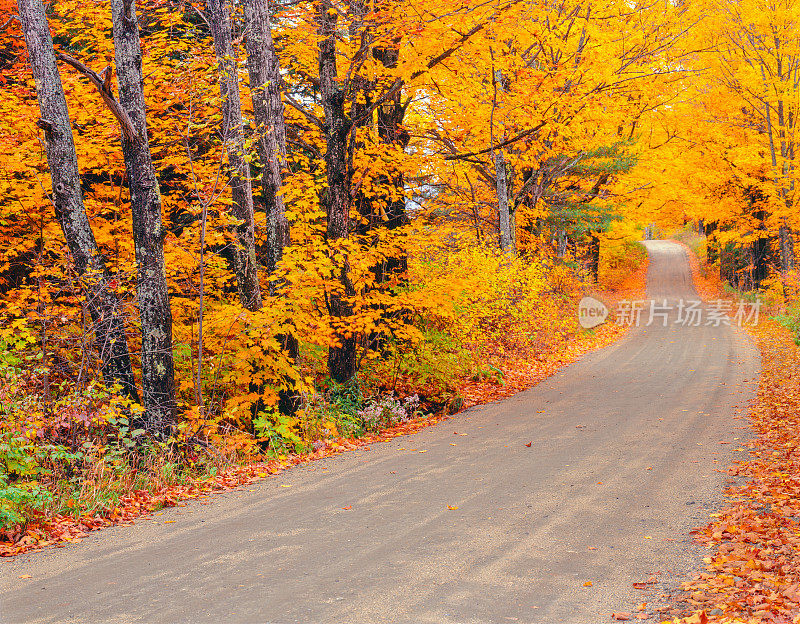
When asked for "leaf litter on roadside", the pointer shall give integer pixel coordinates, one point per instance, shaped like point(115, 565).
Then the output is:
point(752, 572)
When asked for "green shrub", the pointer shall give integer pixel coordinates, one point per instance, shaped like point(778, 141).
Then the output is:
point(791, 321)
point(21, 496)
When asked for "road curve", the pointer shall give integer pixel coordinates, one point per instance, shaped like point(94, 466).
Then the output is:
point(624, 462)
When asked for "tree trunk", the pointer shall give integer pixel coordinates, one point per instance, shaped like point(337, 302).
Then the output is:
point(712, 247)
point(104, 307)
point(392, 132)
point(158, 384)
point(561, 244)
point(342, 357)
point(263, 67)
point(786, 243)
point(760, 252)
point(244, 256)
point(265, 85)
point(387, 209)
point(501, 174)
point(594, 256)
point(506, 244)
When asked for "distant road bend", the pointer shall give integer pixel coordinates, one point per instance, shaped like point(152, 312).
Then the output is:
point(623, 464)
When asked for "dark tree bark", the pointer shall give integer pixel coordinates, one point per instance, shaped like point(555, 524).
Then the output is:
point(265, 84)
point(594, 256)
point(712, 246)
point(158, 383)
point(104, 307)
point(391, 130)
point(360, 91)
point(386, 210)
point(263, 67)
point(786, 245)
point(244, 255)
point(341, 358)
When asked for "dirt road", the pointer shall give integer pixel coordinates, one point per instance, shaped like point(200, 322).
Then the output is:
point(623, 463)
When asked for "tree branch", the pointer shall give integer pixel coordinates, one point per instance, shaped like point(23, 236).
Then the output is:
point(103, 84)
point(513, 139)
point(443, 56)
point(295, 105)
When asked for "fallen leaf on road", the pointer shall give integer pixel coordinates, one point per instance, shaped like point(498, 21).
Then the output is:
point(347, 508)
point(168, 521)
point(24, 576)
point(621, 616)
point(643, 584)
point(588, 584)
point(529, 444)
point(452, 507)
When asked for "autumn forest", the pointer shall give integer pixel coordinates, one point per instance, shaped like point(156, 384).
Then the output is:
point(239, 235)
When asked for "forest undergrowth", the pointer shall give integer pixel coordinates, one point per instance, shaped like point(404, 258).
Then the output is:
point(76, 464)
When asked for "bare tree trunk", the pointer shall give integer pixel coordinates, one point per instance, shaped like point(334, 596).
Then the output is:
point(263, 67)
point(158, 383)
point(787, 248)
point(392, 132)
point(501, 176)
point(341, 358)
point(506, 245)
point(561, 244)
point(103, 305)
point(244, 256)
point(265, 84)
point(594, 257)
point(785, 241)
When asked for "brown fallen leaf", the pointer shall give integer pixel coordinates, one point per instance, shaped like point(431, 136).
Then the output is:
point(621, 616)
